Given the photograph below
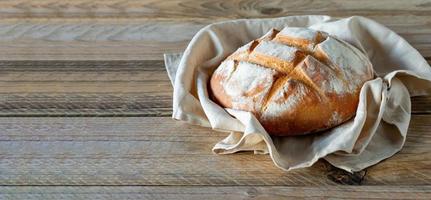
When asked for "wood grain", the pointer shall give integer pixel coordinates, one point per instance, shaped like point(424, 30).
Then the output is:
point(76, 50)
point(203, 192)
point(421, 105)
point(205, 9)
point(84, 88)
point(90, 39)
point(95, 88)
point(161, 151)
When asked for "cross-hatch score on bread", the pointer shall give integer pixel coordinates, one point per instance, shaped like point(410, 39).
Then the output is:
point(295, 81)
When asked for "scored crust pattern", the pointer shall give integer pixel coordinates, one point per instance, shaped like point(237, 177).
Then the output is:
point(295, 81)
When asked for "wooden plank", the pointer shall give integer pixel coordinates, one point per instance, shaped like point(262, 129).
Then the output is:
point(202, 192)
point(84, 77)
point(99, 50)
point(161, 151)
point(93, 40)
point(421, 105)
point(95, 88)
point(85, 105)
point(206, 9)
point(84, 88)
point(90, 39)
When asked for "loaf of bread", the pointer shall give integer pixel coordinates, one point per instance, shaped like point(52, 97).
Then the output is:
point(295, 81)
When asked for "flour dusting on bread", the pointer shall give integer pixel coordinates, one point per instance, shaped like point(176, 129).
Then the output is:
point(248, 85)
point(276, 50)
point(286, 99)
point(322, 76)
point(226, 69)
point(336, 118)
point(302, 33)
point(347, 61)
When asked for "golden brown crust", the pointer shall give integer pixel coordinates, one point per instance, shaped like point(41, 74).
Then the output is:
point(298, 121)
point(295, 81)
point(296, 42)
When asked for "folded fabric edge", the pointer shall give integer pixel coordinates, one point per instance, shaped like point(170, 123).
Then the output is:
point(172, 61)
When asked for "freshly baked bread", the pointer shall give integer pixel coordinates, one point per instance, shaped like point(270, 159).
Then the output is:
point(295, 81)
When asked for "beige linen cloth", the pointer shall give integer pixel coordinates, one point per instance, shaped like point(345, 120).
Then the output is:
point(377, 131)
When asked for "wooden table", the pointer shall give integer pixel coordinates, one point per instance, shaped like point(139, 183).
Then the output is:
point(85, 106)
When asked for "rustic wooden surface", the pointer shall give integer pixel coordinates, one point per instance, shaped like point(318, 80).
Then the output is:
point(85, 106)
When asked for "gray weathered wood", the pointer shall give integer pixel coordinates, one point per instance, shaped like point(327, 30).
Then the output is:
point(161, 151)
point(212, 192)
point(98, 41)
point(204, 9)
point(84, 88)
